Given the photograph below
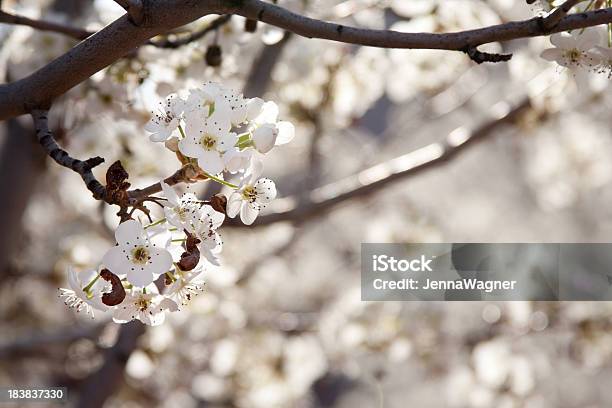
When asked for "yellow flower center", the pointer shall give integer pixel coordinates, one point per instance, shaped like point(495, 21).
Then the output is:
point(140, 255)
point(208, 142)
point(142, 304)
point(249, 193)
point(573, 55)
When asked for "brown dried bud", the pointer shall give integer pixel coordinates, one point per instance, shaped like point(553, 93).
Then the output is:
point(116, 184)
point(191, 257)
point(250, 26)
point(213, 55)
point(219, 203)
point(117, 293)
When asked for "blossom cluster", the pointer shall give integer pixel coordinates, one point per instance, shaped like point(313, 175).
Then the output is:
point(157, 268)
point(580, 50)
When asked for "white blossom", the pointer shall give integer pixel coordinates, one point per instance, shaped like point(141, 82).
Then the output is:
point(76, 297)
point(186, 285)
point(179, 211)
point(146, 305)
point(573, 50)
point(266, 131)
point(135, 256)
point(205, 229)
point(252, 195)
point(209, 137)
point(167, 120)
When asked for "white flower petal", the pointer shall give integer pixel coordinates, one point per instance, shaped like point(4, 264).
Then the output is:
point(116, 261)
point(248, 214)
point(266, 190)
point(170, 194)
point(233, 204)
point(190, 147)
point(286, 132)
point(211, 162)
point(130, 233)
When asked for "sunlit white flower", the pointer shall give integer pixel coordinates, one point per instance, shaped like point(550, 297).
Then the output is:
point(252, 195)
point(266, 131)
point(187, 284)
point(76, 297)
point(236, 160)
point(179, 211)
point(604, 55)
point(209, 137)
point(135, 256)
point(573, 50)
point(205, 229)
point(146, 305)
point(167, 120)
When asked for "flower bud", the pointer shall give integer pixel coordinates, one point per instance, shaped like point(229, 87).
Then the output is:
point(213, 55)
point(264, 137)
point(250, 26)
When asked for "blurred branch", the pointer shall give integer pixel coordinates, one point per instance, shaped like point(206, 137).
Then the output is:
point(99, 386)
point(122, 36)
point(261, 69)
point(40, 342)
point(377, 177)
point(42, 25)
point(194, 35)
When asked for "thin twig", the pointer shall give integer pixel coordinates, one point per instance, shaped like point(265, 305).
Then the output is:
point(375, 178)
point(558, 14)
point(193, 36)
point(74, 32)
point(61, 156)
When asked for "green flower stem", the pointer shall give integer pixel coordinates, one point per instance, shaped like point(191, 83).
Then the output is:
point(220, 181)
point(171, 276)
point(161, 221)
point(179, 240)
point(87, 288)
point(180, 128)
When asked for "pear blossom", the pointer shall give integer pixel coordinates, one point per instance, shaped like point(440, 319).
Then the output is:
point(236, 160)
point(164, 123)
point(179, 211)
point(208, 138)
point(186, 285)
point(135, 256)
point(252, 194)
point(605, 60)
point(205, 229)
point(80, 299)
point(266, 131)
point(573, 50)
point(146, 305)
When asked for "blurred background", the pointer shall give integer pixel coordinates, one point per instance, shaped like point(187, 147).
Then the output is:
point(525, 158)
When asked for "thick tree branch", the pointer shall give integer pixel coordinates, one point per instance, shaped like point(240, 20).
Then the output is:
point(312, 28)
point(61, 157)
point(119, 38)
point(74, 32)
point(375, 178)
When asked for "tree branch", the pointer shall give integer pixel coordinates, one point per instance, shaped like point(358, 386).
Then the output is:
point(557, 14)
point(375, 178)
point(193, 36)
point(312, 28)
point(76, 33)
point(119, 38)
point(61, 157)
